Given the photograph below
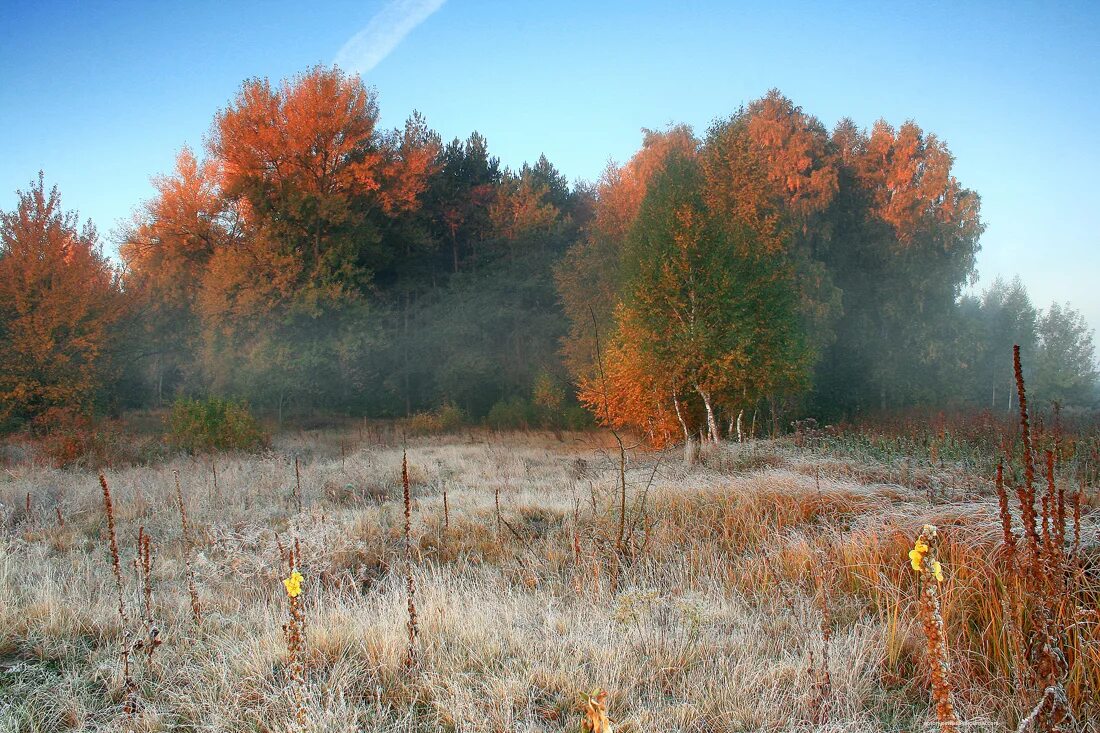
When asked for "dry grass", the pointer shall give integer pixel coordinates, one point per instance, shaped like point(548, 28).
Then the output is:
point(704, 619)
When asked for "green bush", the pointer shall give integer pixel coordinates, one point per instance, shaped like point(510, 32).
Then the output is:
point(214, 424)
point(451, 416)
point(512, 414)
point(577, 418)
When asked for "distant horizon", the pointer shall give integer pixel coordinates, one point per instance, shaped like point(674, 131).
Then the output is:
point(112, 94)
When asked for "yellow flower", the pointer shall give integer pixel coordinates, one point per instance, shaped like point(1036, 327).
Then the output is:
point(293, 584)
point(937, 570)
point(917, 553)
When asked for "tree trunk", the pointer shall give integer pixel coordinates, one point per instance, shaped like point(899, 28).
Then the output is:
point(712, 423)
point(160, 379)
point(690, 450)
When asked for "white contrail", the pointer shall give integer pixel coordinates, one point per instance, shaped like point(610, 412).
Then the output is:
point(384, 31)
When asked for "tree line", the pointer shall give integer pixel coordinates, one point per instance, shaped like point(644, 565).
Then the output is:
point(308, 261)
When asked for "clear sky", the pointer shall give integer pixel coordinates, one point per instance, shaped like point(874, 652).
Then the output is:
point(101, 95)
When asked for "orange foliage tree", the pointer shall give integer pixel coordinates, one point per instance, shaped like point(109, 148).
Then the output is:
point(628, 390)
point(296, 156)
point(309, 167)
point(588, 277)
point(167, 252)
point(315, 184)
point(903, 239)
point(707, 316)
point(59, 299)
point(771, 168)
point(521, 208)
point(909, 177)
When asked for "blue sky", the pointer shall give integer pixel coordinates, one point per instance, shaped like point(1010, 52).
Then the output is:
point(102, 95)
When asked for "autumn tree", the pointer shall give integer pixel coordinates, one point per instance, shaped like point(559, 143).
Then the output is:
point(766, 172)
point(708, 308)
point(628, 389)
point(167, 252)
point(589, 277)
point(317, 187)
point(297, 157)
point(903, 238)
point(59, 299)
point(410, 157)
point(771, 169)
point(528, 203)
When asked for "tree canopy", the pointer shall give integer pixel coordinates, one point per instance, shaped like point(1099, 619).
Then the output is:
point(308, 260)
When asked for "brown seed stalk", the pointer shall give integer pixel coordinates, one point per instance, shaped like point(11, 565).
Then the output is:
point(294, 630)
point(109, 509)
point(297, 485)
point(196, 609)
point(1026, 492)
point(446, 510)
point(410, 588)
point(1006, 514)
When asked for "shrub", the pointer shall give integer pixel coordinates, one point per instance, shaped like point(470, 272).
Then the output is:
point(512, 414)
point(214, 424)
point(547, 397)
point(577, 418)
point(63, 436)
point(451, 416)
point(422, 423)
point(70, 437)
point(445, 419)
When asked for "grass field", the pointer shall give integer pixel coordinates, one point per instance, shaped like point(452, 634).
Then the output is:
point(718, 602)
